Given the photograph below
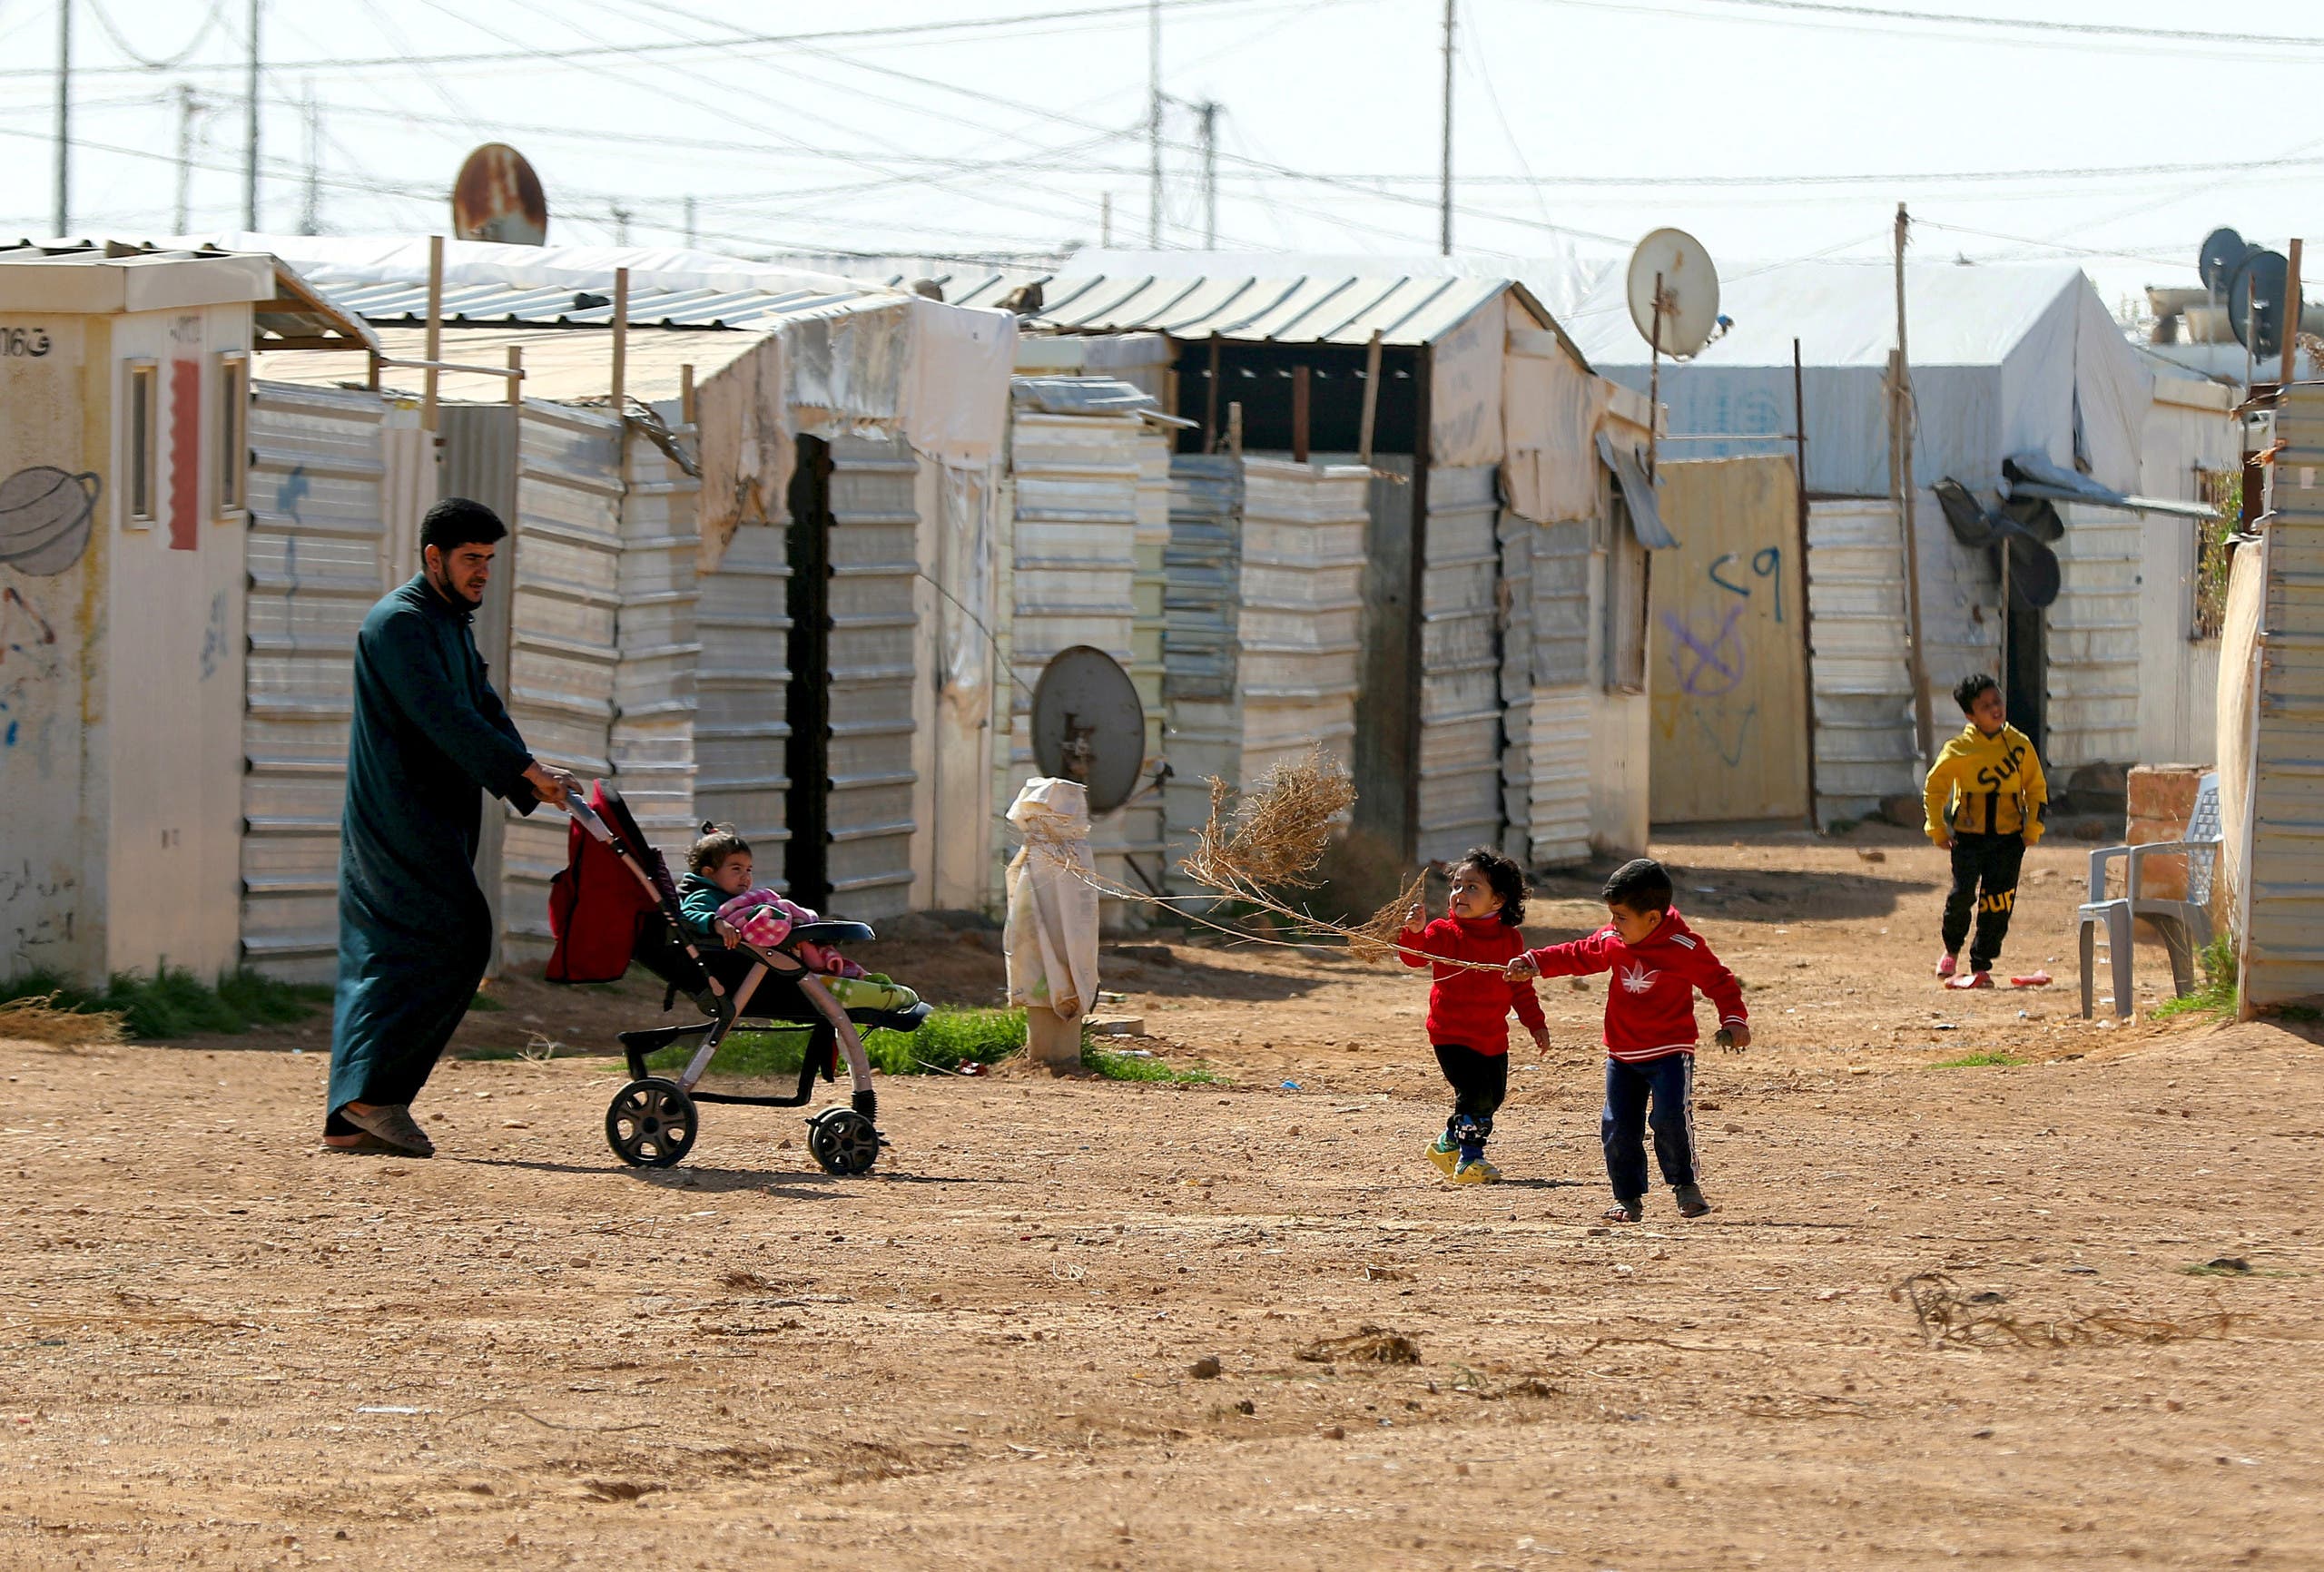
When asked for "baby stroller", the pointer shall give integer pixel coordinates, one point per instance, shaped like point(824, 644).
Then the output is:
point(615, 903)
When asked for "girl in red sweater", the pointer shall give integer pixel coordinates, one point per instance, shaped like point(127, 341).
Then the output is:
point(1468, 1008)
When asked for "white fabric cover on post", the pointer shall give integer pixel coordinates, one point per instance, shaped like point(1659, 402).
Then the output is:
point(1051, 936)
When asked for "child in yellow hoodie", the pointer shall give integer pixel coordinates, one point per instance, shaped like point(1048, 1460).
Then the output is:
point(1984, 798)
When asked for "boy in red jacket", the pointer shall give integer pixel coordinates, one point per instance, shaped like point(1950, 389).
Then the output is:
point(1468, 1008)
point(1658, 962)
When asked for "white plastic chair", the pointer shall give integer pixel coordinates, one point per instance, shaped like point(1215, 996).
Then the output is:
point(2185, 925)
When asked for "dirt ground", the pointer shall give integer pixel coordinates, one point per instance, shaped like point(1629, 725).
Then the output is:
point(225, 1348)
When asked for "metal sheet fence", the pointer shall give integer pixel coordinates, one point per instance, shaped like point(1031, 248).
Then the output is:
point(1078, 483)
point(658, 644)
point(1460, 716)
point(563, 604)
point(2282, 958)
point(314, 557)
point(874, 558)
point(742, 725)
point(1863, 688)
point(1558, 720)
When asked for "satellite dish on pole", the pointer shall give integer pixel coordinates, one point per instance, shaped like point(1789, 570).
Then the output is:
point(1090, 726)
point(2223, 251)
point(2255, 302)
point(1674, 263)
point(498, 197)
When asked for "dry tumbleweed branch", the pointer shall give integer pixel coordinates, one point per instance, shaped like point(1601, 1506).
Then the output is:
point(1374, 939)
point(1951, 1318)
point(40, 1019)
point(1279, 834)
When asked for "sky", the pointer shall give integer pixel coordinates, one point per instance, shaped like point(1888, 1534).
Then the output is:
point(1770, 128)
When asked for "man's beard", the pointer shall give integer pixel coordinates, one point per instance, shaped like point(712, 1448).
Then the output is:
point(451, 592)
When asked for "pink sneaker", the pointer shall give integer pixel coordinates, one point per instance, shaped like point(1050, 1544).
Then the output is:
point(1946, 966)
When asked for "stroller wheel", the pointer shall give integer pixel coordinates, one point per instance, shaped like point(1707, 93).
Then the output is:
point(651, 1123)
point(844, 1141)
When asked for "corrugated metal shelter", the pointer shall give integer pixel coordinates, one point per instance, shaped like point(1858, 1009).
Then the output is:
point(1482, 416)
point(2004, 360)
point(131, 632)
point(1267, 576)
point(773, 525)
point(2271, 719)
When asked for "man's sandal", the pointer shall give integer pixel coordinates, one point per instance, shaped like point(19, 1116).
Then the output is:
point(1624, 1211)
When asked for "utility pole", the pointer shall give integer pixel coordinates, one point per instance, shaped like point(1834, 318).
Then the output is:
point(310, 210)
point(1106, 220)
point(690, 222)
point(620, 226)
point(1900, 461)
point(1444, 179)
point(189, 112)
point(1154, 124)
point(1210, 176)
point(250, 128)
point(64, 117)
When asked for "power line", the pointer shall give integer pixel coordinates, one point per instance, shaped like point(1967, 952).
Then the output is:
point(2030, 24)
point(741, 41)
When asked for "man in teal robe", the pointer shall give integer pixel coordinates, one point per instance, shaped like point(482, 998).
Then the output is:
point(415, 934)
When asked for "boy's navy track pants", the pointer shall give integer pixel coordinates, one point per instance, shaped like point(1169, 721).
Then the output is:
point(1656, 1092)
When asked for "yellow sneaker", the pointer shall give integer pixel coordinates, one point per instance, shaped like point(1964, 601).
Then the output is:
point(1476, 1171)
point(1445, 1157)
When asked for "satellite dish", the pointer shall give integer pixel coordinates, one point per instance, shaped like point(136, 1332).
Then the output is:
point(1689, 292)
point(2223, 249)
point(1088, 725)
point(2255, 300)
point(498, 197)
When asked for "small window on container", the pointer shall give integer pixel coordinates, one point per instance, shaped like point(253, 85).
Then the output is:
point(233, 433)
point(141, 488)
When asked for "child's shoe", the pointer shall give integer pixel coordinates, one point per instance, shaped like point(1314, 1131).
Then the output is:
point(1946, 965)
point(1626, 1209)
point(1476, 1171)
point(1445, 1155)
point(1690, 1201)
point(1975, 979)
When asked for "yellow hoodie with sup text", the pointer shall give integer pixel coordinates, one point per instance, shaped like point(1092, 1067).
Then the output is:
point(1983, 785)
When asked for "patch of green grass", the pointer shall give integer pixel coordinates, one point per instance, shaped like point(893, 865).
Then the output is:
point(485, 1004)
point(947, 1039)
point(2215, 995)
point(1984, 1058)
point(175, 1003)
point(2307, 1015)
point(1112, 1065)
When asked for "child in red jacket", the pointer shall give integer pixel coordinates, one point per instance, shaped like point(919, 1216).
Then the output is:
point(1468, 1008)
point(1658, 962)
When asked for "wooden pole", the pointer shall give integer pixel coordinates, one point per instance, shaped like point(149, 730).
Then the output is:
point(1234, 428)
point(1654, 380)
point(621, 336)
point(685, 394)
point(1924, 722)
point(1210, 401)
point(515, 379)
point(1371, 400)
point(1799, 548)
point(434, 329)
point(1300, 394)
point(2291, 314)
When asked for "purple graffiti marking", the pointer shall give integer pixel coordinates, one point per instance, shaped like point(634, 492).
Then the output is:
point(1708, 666)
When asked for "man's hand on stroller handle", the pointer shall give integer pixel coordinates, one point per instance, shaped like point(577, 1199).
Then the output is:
point(551, 784)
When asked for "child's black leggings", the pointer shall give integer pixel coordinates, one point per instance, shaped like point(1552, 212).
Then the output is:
point(1991, 862)
point(1480, 1085)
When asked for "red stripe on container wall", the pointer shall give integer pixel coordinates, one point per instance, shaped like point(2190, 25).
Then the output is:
point(185, 455)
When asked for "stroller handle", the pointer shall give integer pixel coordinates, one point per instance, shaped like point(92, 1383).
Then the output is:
point(586, 817)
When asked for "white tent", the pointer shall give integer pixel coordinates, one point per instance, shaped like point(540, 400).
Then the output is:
point(2004, 360)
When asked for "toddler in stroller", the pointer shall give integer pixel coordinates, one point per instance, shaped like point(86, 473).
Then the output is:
point(615, 903)
point(721, 908)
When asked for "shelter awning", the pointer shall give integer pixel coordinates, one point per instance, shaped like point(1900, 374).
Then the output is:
point(1638, 492)
point(2031, 474)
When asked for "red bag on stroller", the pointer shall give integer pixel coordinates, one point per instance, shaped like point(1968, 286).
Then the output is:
point(594, 907)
